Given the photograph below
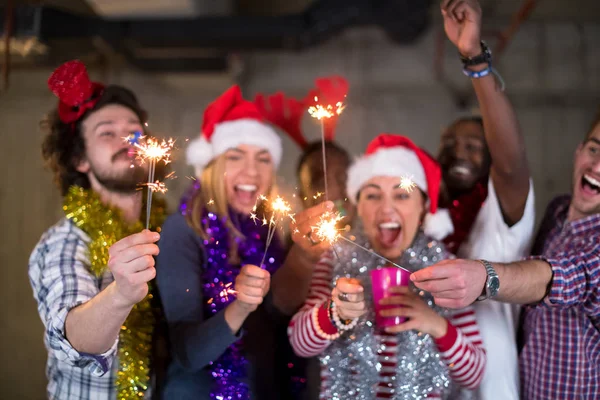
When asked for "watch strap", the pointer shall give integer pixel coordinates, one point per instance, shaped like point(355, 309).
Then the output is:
point(490, 272)
point(482, 58)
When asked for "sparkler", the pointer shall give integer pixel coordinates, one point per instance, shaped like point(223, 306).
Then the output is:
point(322, 112)
point(407, 183)
point(224, 293)
point(375, 254)
point(327, 104)
point(327, 227)
point(327, 230)
point(151, 151)
point(280, 209)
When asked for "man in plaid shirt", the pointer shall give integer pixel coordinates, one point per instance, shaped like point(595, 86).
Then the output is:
point(81, 311)
point(561, 355)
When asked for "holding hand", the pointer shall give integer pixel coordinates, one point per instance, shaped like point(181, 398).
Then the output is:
point(301, 229)
point(452, 283)
point(252, 285)
point(131, 262)
point(348, 296)
point(420, 316)
point(462, 23)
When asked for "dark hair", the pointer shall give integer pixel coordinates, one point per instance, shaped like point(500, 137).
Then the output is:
point(64, 146)
point(478, 120)
point(472, 118)
point(313, 147)
point(595, 122)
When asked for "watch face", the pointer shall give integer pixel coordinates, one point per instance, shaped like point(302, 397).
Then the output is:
point(493, 285)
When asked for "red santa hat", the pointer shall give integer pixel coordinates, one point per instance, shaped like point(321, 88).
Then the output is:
point(228, 122)
point(396, 155)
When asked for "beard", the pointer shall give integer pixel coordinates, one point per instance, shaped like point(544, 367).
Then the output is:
point(125, 181)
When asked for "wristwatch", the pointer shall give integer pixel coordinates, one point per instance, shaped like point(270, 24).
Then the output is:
point(492, 283)
point(482, 58)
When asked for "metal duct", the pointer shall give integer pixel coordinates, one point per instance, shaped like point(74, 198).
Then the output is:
point(402, 20)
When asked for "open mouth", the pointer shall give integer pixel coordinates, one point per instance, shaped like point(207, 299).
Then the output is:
point(590, 185)
point(123, 155)
point(461, 170)
point(246, 193)
point(389, 233)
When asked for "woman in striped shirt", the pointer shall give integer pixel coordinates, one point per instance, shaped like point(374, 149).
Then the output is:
point(435, 353)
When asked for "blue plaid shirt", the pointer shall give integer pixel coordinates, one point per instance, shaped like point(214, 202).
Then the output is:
point(561, 356)
point(59, 272)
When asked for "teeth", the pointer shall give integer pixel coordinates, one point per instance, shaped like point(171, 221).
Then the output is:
point(389, 225)
point(592, 181)
point(461, 170)
point(246, 188)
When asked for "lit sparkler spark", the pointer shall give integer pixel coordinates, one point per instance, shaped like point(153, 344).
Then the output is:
point(224, 293)
point(153, 151)
point(327, 230)
point(327, 227)
point(407, 184)
point(280, 209)
point(171, 175)
point(157, 186)
point(320, 111)
point(317, 195)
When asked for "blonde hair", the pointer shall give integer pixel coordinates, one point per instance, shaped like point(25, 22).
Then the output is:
point(212, 197)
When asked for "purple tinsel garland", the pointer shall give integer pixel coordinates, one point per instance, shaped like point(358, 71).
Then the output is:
point(229, 370)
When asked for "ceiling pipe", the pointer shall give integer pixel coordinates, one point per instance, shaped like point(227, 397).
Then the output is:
point(402, 20)
point(508, 34)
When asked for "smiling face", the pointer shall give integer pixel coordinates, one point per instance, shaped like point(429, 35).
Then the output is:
point(249, 173)
point(586, 177)
point(108, 158)
point(463, 155)
point(391, 216)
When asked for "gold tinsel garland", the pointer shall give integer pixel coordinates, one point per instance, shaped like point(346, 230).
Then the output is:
point(105, 226)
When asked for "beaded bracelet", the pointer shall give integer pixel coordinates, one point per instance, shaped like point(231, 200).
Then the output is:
point(486, 72)
point(478, 74)
point(320, 332)
point(341, 325)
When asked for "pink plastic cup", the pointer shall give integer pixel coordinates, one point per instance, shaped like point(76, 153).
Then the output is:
point(382, 280)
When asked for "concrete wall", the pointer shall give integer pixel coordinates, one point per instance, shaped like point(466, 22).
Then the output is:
point(552, 73)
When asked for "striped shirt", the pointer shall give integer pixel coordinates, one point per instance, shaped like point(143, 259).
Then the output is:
point(59, 273)
point(561, 355)
point(461, 348)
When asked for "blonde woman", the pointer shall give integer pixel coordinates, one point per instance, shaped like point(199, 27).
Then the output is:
point(222, 314)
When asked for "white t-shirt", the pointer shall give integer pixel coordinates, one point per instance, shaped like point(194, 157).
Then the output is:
point(491, 239)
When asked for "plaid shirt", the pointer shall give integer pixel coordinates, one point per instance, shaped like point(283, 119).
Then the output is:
point(59, 272)
point(561, 356)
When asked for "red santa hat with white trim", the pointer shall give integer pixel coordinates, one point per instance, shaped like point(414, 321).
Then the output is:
point(396, 155)
point(228, 122)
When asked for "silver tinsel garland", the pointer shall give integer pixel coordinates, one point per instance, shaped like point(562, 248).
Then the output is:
point(351, 362)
